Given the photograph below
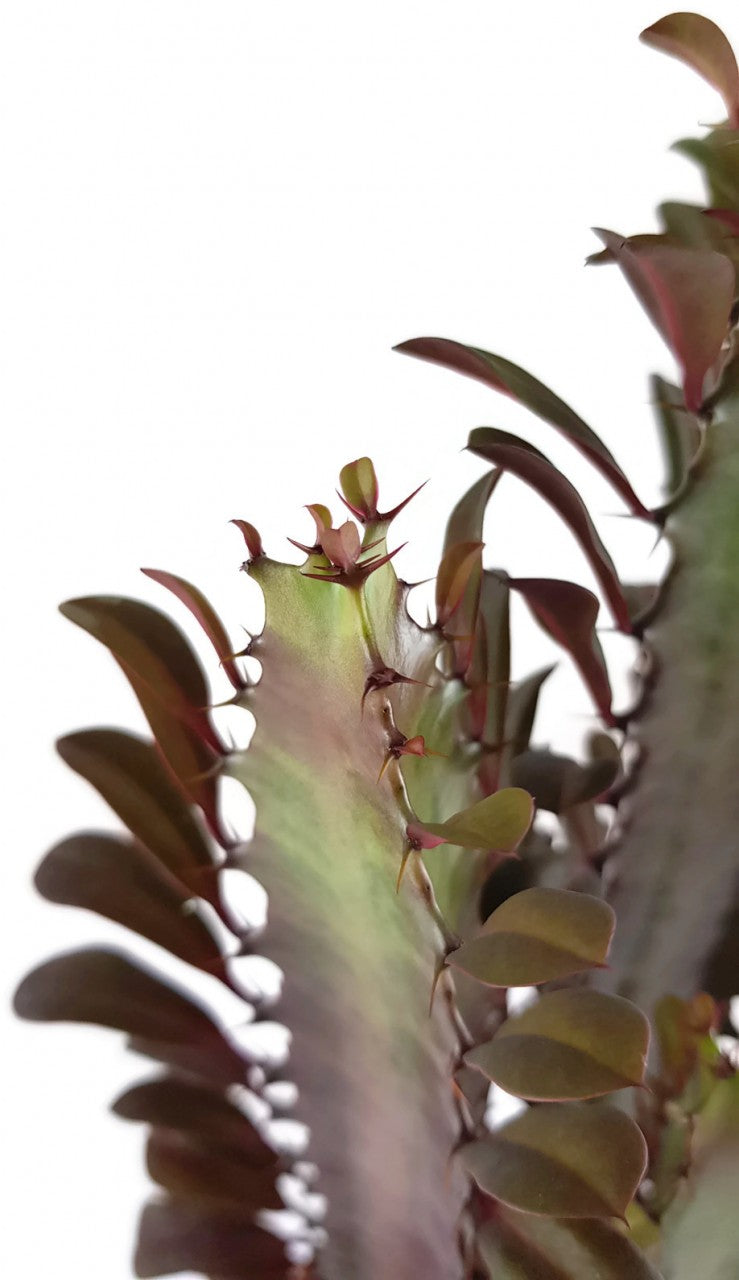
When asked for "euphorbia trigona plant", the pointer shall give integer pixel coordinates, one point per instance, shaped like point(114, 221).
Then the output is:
point(410, 884)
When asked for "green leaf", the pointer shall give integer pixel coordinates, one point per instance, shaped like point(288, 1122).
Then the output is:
point(523, 701)
point(498, 822)
point(570, 1044)
point(717, 156)
point(679, 432)
point(562, 1160)
point(557, 782)
point(458, 576)
point(524, 1246)
point(568, 613)
point(687, 294)
point(122, 881)
point(490, 671)
point(360, 488)
point(513, 454)
point(502, 375)
point(536, 936)
point(701, 44)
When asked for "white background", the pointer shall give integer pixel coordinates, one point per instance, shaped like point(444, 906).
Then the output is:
point(217, 219)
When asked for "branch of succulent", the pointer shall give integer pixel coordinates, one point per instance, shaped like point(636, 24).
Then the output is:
point(410, 884)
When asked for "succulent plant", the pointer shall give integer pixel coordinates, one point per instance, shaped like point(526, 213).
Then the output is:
point(410, 882)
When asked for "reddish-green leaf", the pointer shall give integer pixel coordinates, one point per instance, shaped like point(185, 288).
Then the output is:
point(523, 700)
point(698, 42)
point(502, 375)
point(563, 1160)
point(126, 883)
point(498, 822)
point(536, 936)
point(105, 987)
point(491, 665)
point(175, 1103)
point(251, 537)
point(129, 775)
point(202, 609)
point(679, 432)
point(209, 1172)
point(525, 1246)
point(360, 488)
point(513, 454)
point(687, 294)
point(460, 571)
point(176, 1236)
point(570, 1044)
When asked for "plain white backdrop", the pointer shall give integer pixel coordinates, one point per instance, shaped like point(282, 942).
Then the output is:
point(217, 219)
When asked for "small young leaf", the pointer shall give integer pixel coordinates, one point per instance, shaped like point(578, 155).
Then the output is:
point(565, 1160)
point(570, 1044)
point(360, 489)
point(499, 822)
point(502, 375)
point(536, 936)
point(513, 454)
point(698, 42)
point(568, 613)
point(687, 294)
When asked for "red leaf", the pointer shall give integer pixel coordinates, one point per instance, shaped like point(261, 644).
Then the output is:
point(206, 615)
point(703, 46)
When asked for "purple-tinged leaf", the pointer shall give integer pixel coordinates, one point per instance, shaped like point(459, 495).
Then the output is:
point(203, 611)
point(124, 882)
point(703, 46)
point(569, 1044)
point(564, 1160)
point(360, 488)
point(502, 375)
point(537, 936)
point(498, 822)
point(128, 773)
point(526, 1246)
point(209, 1172)
point(558, 782)
point(568, 613)
point(171, 1102)
point(105, 987)
point(515, 455)
point(177, 1236)
point(726, 216)
point(687, 294)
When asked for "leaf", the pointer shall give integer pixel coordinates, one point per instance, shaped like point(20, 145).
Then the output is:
point(174, 1103)
point(518, 1246)
point(464, 528)
point(502, 375)
point(679, 432)
point(203, 611)
point(687, 294)
point(523, 701)
point(209, 1173)
point(251, 537)
point(717, 156)
point(565, 1160)
point(703, 46)
point(460, 570)
point(491, 664)
point(176, 1236)
point(124, 882)
point(568, 613)
point(570, 1044)
point(360, 488)
point(106, 988)
point(127, 772)
point(497, 822)
point(557, 782)
point(536, 936)
point(513, 454)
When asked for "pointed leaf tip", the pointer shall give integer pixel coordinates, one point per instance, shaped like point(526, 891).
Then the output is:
point(252, 538)
point(498, 822)
point(201, 609)
point(702, 45)
point(360, 488)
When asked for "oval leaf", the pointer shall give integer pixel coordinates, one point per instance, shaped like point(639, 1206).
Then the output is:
point(360, 488)
point(513, 454)
point(177, 1236)
point(173, 1103)
point(524, 1246)
point(536, 936)
point(502, 375)
point(124, 882)
point(570, 1044)
point(201, 608)
point(220, 1175)
point(498, 822)
point(703, 46)
point(564, 1160)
